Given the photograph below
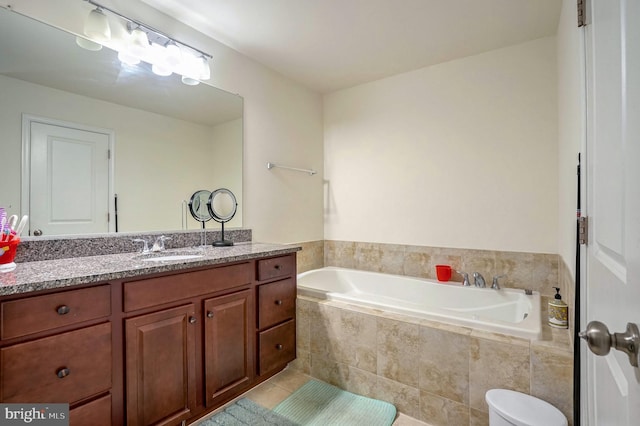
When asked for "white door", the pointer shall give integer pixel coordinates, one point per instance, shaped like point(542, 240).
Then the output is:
point(68, 180)
point(612, 386)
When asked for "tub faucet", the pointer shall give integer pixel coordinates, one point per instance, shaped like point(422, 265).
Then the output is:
point(478, 280)
point(465, 278)
point(496, 285)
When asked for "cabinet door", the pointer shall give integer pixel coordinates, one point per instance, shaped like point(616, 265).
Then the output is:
point(160, 366)
point(228, 343)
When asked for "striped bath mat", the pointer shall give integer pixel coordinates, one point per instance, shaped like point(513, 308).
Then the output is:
point(318, 403)
point(245, 412)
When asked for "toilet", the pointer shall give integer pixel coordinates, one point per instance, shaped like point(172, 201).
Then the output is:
point(510, 408)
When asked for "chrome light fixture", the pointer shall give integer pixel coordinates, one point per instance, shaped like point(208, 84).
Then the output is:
point(142, 43)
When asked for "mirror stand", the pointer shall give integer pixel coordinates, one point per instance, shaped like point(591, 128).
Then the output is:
point(222, 206)
point(199, 211)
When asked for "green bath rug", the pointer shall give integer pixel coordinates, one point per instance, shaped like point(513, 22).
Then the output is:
point(246, 413)
point(318, 403)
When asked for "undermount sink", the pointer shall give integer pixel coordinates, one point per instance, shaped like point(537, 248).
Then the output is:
point(170, 257)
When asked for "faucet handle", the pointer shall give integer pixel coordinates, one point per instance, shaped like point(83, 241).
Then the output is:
point(496, 285)
point(145, 246)
point(159, 244)
point(465, 278)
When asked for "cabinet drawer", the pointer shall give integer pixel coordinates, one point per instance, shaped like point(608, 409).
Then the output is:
point(40, 313)
point(94, 413)
point(277, 347)
point(276, 267)
point(156, 291)
point(276, 302)
point(62, 368)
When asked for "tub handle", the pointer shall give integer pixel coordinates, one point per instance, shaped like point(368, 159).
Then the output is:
point(496, 285)
point(465, 278)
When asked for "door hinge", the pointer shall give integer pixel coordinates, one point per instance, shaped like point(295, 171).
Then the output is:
point(583, 230)
point(582, 13)
point(108, 154)
point(108, 217)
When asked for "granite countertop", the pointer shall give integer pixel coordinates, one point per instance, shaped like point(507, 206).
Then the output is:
point(52, 274)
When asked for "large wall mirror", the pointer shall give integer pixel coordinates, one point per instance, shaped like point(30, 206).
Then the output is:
point(163, 139)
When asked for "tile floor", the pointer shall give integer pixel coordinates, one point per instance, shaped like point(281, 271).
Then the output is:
point(273, 391)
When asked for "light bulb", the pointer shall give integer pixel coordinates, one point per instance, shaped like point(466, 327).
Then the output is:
point(97, 26)
point(128, 58)
point(189, 81)
point(205, 71)
point(88, 44)
point(173, 56)
point(139, 43)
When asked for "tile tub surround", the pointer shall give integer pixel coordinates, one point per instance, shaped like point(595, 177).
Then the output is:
point(68, 246)
point(311, 256)
point(537, 271)
point(434, 372)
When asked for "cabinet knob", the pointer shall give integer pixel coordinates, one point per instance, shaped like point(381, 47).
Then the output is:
point(63, 372)
point(63, 309)
point(192, 320)
point(279, 347)
point(277, 267)
point(278, 302)
point(209, 314)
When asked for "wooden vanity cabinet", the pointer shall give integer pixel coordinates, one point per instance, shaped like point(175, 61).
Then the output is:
point(276, 329)
point(228, 344)
point(160, 366)
point(57, 347)
point(163, 349)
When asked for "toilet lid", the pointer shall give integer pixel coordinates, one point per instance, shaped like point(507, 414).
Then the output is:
point(524, 410)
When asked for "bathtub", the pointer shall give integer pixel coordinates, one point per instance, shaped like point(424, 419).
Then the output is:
point(505, 311)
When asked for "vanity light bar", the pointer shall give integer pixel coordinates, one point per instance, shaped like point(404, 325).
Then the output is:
point(156, 35)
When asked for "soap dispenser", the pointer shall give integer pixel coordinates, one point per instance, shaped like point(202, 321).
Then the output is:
point(558, 311)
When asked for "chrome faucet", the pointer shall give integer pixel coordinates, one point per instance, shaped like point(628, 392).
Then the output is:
point(465, 278)
point(145, 247)
point(159, 244)
point(496, 285)
point(478, 280)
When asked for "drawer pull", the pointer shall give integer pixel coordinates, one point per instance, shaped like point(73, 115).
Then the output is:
point(279, 347)
point(278, 302)
point(277, 267)
point(209, 314)
point(192, 320)
point(63, 372)
point(63, 309)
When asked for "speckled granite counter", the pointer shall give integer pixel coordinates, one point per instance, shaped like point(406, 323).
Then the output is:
point(52, 274)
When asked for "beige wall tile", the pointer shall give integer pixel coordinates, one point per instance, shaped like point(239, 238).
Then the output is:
point(440, 411)
point(311, 256)
point(302, 363)
point(344, 336)
point(418, 262)
point(444, 364)
point(398, 350)
point(517, 268)
point(340, 253)
point(343, 376)
point(496, 365)
point(545, 273)
point(552, 378)
point(386, 258)
point(405, 398)
point(303, 324)
point(478, 418)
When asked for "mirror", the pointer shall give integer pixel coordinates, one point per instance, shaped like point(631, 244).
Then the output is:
point(222, 206)
point(198, 206)
point(169, 139)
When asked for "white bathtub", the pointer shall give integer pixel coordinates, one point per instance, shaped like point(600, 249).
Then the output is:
point(506, 311)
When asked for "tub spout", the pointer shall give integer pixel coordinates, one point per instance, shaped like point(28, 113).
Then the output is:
point(478, 280)
point(496, 285)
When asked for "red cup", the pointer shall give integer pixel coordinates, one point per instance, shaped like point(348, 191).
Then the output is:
point(443, 272)
point(8, 250)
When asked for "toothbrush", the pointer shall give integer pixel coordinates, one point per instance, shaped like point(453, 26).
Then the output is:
point(3, 221)
point(21, 225)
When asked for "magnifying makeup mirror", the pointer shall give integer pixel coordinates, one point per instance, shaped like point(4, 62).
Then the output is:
point(222, 206)
point(199, 210)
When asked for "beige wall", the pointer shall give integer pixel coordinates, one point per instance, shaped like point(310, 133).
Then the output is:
point(223, 171)
point(283, 123)
point(462, 154)
point(570, 128)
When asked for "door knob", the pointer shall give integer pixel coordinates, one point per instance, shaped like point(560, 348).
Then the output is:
point(600, 341)
point(37, 233)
